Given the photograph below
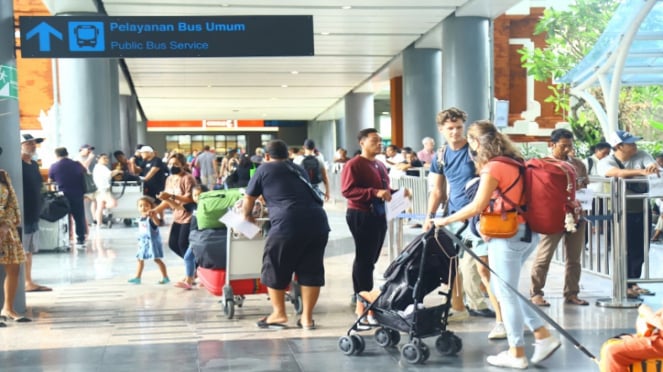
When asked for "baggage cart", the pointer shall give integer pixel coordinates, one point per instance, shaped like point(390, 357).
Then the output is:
point(242, 273)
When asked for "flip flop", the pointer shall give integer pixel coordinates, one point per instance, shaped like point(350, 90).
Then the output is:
point(183, 285)
point(306, 327)
point(644, 291)
point(39, 288)
point(576, 301)
point(262, 324)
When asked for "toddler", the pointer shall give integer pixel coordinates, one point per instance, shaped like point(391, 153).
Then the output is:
point(149, 240)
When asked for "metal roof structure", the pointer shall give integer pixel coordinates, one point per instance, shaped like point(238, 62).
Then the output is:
point(628, 53)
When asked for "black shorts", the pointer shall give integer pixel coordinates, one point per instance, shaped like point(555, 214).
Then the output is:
point(301, 255)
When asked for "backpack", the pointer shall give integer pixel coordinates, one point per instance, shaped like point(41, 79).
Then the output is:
point(550, 194)
point(312, 167)
point(212, 205)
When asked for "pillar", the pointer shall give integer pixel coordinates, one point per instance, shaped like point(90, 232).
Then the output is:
point(396, 108)
point(86, 104)
point(359, 114)
point(467, 66)
point(141, 133)
point(10, 159)
point(422, 95)
point(127, 126)
point(115, 121)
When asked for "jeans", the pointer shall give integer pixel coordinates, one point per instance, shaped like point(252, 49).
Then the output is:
point(77, 209)
point(189, 262)
point(507, 257)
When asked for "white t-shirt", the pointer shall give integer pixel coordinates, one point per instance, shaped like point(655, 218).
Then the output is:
point(102, 177)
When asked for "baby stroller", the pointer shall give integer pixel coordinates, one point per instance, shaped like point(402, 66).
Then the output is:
point(427, 262)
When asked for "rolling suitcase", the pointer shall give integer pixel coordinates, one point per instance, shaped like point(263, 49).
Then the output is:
point(53, 236)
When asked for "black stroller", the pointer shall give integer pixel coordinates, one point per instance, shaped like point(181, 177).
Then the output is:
point(427, 262)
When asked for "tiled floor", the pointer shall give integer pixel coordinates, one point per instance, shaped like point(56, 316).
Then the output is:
point(95, 321)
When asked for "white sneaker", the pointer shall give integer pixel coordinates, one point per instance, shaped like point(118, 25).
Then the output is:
point(544, 348)
point(505, 359)
point(371, 320)
point(498, 332)
point(457, 316)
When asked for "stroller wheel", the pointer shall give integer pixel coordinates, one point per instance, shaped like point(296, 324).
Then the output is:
point(425, 351)
point(394, 336)
point(383, 337)
point(347, 345)
point(411, 353)
point(448, 344)
point(359, 343)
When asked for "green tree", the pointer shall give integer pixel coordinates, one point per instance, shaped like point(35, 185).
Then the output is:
point(570, 35)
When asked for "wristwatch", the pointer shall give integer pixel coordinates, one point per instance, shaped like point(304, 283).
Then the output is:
point(431, 215)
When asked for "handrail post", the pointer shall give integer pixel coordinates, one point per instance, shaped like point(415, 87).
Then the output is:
point(619, 252)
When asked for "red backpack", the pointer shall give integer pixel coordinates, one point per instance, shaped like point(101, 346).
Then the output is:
point(550, 193)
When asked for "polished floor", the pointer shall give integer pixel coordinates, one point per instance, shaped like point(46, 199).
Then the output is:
point(95, 321)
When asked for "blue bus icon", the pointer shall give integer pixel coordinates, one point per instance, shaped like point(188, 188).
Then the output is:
point(86, 37)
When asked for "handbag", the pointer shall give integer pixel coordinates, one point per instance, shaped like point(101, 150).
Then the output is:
point(89, 186)
point(502, 225)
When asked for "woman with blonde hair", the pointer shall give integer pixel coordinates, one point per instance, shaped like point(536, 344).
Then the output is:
point(506, 256)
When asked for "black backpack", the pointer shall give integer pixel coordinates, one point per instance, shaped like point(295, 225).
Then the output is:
point(312, 167)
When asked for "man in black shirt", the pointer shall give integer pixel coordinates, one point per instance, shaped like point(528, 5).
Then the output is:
point(153, 174)
point(32, 186)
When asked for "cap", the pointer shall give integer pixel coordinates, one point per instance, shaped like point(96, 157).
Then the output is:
point(622, 136)
point(86, 146)
point(309, 144)
point(28, 137)
point(146, 149)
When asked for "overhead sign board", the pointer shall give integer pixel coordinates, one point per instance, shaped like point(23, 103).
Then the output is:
point(164, 37)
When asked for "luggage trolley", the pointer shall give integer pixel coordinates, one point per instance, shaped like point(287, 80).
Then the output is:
point(242, 273)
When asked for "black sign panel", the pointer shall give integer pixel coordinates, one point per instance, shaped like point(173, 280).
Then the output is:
point(126, 37)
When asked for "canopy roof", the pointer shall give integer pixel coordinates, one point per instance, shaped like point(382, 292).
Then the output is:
point(629, 52)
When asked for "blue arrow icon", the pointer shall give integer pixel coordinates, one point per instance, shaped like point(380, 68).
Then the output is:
point(44, 30)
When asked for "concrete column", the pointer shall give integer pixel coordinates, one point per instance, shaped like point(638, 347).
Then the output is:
point(359, 114)
point(10, 159)
point(141, 133)
point(86, 103)
point(115, 121)
point(127, 126)
point(422, 95)
point(467, 65)
point(339, 124)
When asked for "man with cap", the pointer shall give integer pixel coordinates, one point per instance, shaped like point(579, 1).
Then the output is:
point(85, 156)
point(32, 186)
point(153, 174)
point(314, 167)
point(629, 162)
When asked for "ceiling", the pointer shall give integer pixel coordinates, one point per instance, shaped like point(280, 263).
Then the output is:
point(356, 49)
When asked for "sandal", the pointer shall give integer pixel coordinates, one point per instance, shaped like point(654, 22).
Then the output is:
point(644, 291)
point(538, 300)
point(632, 293)
point(574, 300)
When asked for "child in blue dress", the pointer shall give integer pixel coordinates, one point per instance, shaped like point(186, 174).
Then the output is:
point(149, 240)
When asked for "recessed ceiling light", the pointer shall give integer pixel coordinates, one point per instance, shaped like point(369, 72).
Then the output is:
point(209, 86)
point(264, 114)
point(284, 85)
point(346, 7)
point(294, 72)
point(17, 34)
point(386, 112)
point(324, 33)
